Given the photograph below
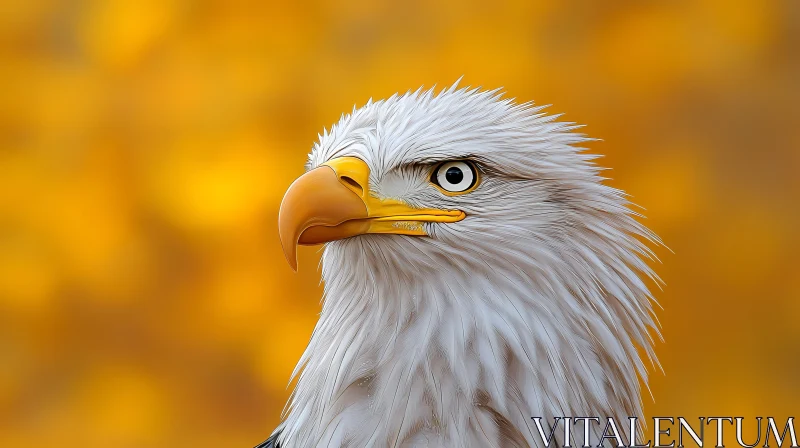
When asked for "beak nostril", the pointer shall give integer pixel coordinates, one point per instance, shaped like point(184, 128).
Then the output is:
point(353, 185)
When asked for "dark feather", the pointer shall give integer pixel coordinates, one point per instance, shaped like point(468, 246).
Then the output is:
point(272, 442)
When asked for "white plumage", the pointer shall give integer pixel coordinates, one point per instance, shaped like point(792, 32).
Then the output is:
point(533, 305)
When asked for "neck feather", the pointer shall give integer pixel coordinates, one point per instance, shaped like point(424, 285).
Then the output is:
point(466, 355)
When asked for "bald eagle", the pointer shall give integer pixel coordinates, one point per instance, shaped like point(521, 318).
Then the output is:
point(477, 271)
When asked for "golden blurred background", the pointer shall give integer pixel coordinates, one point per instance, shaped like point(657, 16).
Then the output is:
point(145, 147)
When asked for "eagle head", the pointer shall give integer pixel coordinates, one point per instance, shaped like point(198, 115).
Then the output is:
point(478, 272)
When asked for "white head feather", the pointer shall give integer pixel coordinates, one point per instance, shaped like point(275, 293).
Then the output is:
point(531, 306)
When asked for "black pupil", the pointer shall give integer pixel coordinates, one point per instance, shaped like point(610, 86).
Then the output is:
point(454, 175)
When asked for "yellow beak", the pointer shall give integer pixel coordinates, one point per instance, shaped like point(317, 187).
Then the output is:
point(333, 201)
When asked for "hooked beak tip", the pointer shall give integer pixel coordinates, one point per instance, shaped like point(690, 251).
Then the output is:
point(289, 246)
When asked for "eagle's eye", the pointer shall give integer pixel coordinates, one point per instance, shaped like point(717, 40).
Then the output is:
point(455, 177)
